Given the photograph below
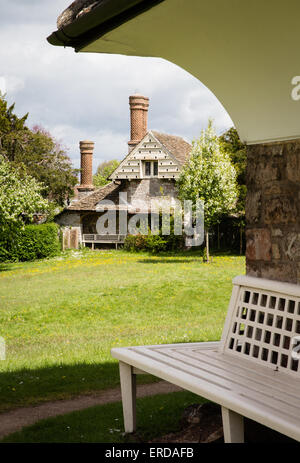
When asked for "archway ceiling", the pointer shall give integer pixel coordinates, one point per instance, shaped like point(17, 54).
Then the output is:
point(245, 52)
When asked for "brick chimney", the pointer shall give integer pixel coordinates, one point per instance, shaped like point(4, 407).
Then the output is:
point(138, 118)
point(86, 168)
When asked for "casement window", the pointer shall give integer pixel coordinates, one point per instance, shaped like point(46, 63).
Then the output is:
point(147, 168)
point(150, 168)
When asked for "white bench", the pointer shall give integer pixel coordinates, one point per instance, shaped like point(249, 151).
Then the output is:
point(252, 372)
point(93, 239)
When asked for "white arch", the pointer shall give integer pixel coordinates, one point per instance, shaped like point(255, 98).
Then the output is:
point(246, 53)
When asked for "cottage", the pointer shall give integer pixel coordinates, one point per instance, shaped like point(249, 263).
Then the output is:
point(147, 173)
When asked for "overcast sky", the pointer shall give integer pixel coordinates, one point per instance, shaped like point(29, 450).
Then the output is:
point(79, 96)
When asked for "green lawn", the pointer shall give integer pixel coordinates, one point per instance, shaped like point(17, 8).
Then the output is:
point(60, 317)
point(156, 416)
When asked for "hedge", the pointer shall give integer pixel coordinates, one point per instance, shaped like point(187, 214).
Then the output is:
point(34, 242)
point(153, 243)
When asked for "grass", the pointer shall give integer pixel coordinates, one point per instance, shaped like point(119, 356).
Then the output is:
point(156, 416)
point(60, 317)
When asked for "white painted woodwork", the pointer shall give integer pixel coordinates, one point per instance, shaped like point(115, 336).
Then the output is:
point(244, 52)
point(250, 375)
point(149, 149)
point(233, 425)
point(128, 390)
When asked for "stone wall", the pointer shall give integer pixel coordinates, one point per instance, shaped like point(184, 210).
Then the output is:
point(273, 211)
point(147, 189)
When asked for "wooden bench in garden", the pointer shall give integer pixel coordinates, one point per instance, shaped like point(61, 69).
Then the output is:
point(252, 372)
point(93, 239)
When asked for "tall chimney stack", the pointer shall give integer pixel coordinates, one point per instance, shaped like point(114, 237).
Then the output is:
point(139, 105)
point(86, 167)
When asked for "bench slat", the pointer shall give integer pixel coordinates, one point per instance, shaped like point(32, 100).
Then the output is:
point(246, 405)
point(227, 379)
point(249, 383)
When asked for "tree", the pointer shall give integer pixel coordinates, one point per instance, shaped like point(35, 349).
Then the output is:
point(38, 152)
point(209, 176)
point(13, 132)
point(20, 198)
point(104, 170)
point(236, 150)
point(46, 160)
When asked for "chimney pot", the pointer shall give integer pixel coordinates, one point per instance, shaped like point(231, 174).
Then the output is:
point(139, 105)
point(86, 166)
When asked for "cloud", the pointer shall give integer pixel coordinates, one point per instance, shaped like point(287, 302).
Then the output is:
point(85, 96)
point(108, 144)
point(2, 85)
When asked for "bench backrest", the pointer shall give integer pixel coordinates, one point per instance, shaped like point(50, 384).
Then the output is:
point(263, 323)
point(107, 237)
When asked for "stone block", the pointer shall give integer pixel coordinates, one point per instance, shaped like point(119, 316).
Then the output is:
point(280, 210)
point(253, 207)
point(293, 166)
point(292, 246)
point(253, 268)
point(279, 271)
point(275, 251)
point(258, 244)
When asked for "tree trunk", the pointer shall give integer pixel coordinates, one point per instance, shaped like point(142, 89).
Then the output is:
point(241, 240)
point(207, 247)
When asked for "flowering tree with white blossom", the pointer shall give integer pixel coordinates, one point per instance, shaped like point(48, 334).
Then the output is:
point(209, 176)
point(20, 198)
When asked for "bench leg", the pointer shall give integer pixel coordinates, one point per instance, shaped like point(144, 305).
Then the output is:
point(233, 426)
point(128, 390)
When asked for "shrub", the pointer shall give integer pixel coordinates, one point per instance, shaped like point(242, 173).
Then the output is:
point(156, 243)
point(135, 242)
point(34, 242)
point(153, 243)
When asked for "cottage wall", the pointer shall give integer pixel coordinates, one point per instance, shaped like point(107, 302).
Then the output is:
point(72, 229)
point(273, 211)
point(147, 189)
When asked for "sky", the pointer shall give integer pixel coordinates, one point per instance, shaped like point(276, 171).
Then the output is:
point(84, 96)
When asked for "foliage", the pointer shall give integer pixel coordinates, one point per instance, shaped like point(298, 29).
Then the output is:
point(210, 177)
point(236, 150)
point(20, 198)
point(13, 132)
point(135, 242)
point(104, 170)
point(37, 151)
point(46, 160)
point(35, 242)
point(150, 242)
point(155, 243)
